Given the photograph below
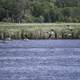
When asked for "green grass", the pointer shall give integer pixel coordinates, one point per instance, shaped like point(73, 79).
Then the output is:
point(40, 31)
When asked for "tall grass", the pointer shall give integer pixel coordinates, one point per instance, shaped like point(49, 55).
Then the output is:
point(40, 31)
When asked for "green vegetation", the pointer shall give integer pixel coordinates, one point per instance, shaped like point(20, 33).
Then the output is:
point(59, 16)
point(40, 31)
point(40, 11)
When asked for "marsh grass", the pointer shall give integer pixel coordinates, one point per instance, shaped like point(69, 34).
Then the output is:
point(39, 31)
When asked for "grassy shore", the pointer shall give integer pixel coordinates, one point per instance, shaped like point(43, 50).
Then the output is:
point(40, 31)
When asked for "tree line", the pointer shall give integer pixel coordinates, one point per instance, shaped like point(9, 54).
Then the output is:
point(39, 11)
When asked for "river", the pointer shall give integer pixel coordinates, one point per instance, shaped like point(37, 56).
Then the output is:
point(40, 60)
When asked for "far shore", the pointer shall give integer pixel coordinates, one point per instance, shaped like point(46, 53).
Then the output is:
point(39, 31)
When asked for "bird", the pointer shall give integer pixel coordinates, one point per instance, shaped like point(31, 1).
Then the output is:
point(8, 38)
point(26, 39)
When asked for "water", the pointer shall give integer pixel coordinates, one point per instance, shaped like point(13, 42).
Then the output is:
point(40, 60)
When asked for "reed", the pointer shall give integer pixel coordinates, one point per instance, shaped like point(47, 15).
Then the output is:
point(40, 31)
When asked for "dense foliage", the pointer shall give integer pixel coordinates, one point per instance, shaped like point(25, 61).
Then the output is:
point(40, 11)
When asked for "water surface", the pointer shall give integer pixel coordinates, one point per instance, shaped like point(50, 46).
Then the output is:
point(40, 60)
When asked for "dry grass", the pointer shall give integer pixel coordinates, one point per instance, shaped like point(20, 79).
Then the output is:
point(40, 31)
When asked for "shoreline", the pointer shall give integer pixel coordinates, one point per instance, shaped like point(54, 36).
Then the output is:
point(39, 31)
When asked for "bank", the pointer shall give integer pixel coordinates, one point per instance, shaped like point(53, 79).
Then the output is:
point(40, 31)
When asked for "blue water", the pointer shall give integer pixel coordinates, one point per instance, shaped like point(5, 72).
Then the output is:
point(40, 60)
